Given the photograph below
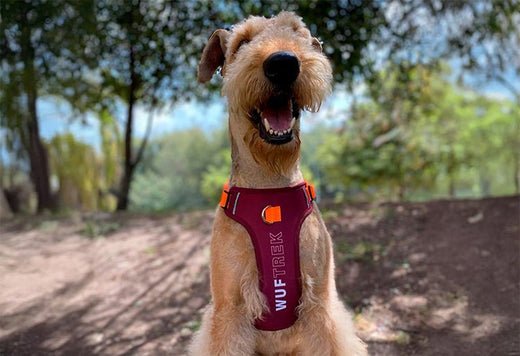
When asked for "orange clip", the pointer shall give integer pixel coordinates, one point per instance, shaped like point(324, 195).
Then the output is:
point(272, 214)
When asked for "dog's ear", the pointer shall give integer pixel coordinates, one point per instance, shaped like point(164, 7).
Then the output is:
point(213, 55)
point(316, 43)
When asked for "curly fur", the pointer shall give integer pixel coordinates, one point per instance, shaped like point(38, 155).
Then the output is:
point(324, 326)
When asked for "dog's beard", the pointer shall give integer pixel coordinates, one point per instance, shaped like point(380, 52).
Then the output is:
point(278, 159)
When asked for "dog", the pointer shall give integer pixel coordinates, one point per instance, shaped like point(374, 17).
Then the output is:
point(272, 69)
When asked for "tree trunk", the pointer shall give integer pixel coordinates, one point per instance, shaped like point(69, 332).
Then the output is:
point(401, 192)
point(516, 157)
point(451, 188)
point(5, 209)
point(129, 165)
point(484, 183)
point(516, 174)
point(37, 152)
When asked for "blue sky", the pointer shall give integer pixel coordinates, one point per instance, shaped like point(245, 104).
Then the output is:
point(56, 117)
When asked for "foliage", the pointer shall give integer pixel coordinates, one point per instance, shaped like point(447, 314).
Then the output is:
point(359, 36)
point(361, 251)
point(216, 175)
point(421, 135)
point(413, 134)
point(98, 228)
point(77, 172)
point(177, 177)
point(84, 178)
point(111, 153)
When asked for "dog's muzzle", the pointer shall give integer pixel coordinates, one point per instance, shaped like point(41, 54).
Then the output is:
point(276, 117)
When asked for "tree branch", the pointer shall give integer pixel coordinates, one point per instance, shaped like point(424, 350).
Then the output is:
point(500, 78)
point(144, 142)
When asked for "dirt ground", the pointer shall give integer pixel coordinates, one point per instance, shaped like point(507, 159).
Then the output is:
point(438, 278)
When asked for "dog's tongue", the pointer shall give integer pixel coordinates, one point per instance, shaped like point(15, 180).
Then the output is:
point(278, 115)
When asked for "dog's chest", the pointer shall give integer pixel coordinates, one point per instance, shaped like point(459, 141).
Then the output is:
point(273, 220)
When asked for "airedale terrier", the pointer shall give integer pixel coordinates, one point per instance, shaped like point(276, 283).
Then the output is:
point(273, 290)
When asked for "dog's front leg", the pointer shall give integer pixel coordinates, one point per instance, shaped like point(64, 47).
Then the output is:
point(223, 332)
point(328, 330)
point(228, 326)
point(325, 325)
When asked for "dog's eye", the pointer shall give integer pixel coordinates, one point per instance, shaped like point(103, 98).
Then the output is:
point(241, 43)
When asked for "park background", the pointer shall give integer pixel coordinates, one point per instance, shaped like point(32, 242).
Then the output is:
point(112, 157)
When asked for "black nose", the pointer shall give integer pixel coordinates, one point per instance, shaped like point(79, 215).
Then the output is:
point(282, 68)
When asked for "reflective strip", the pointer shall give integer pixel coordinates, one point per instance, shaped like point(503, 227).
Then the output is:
point(236, 202)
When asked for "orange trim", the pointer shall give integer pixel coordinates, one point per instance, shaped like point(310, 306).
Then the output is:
point(224, 196)
point(311, 191)
point(272, 214)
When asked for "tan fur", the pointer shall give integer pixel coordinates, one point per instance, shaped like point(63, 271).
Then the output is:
point(324, 326)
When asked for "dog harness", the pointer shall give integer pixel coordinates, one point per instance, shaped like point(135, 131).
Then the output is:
point(273, 219)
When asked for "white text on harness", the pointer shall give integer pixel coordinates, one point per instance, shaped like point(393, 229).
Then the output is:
point(278, 264)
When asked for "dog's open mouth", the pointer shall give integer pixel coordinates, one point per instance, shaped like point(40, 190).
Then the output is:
point(276, 118)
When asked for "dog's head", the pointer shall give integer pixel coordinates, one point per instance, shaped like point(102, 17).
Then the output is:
point(272, 68)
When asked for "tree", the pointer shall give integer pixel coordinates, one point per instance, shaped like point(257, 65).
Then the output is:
point(145, 64)
point(39, 45)
point(423, 136)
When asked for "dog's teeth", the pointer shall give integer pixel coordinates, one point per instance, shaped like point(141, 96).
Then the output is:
point(266, 124)
point(293, 121)
point(271, 131)
point(280, 133)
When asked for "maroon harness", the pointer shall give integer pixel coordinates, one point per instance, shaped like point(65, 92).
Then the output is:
point(273, 219)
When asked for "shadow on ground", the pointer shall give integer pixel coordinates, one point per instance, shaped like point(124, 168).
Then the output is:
point(439, 278)
point(137, 291)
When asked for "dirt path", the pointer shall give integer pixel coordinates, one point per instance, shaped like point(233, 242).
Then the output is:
point(440, 278)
